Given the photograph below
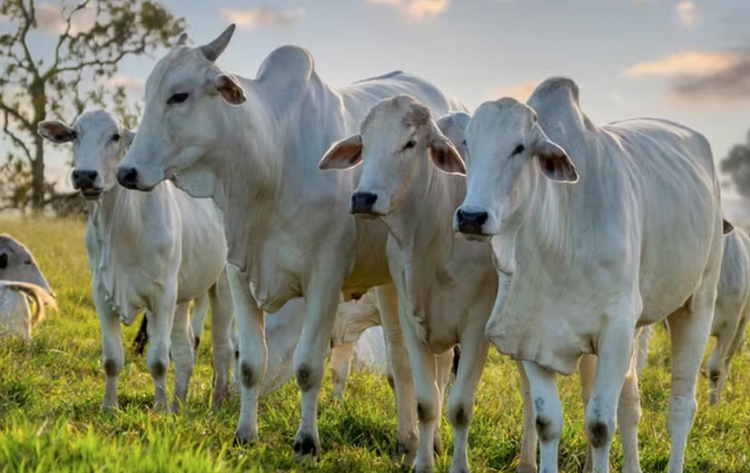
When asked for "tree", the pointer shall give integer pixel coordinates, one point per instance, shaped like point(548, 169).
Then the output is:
point(737, 165)
point(89, 39)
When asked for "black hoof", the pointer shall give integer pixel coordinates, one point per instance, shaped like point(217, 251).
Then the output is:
point(306, 447)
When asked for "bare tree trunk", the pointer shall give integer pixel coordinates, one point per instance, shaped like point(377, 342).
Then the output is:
point(37, 175)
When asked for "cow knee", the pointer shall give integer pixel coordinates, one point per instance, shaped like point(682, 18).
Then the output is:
point(158, 368)
point(112, 366)
point(460, 416)
point(426, 411)
point(306, 378)
point(249, 375)
point(600, 433)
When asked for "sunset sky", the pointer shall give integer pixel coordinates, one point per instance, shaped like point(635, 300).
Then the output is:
point(686, 60)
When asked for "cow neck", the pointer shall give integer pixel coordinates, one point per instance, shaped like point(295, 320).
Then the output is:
point(119, 207)
point(429, 239)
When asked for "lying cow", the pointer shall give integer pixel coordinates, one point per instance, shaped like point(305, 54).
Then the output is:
point(253, 145)
point(582, 264)
point(152, 252)
point(21, 280)
point(732, 309)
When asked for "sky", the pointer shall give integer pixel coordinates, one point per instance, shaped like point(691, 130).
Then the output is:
point(685, 60)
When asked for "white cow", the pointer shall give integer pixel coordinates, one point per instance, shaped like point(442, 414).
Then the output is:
point(446, 285)
point(639, 239)
point(253, 146)
point(155, 252)
point(732, 311)
point(20, 280)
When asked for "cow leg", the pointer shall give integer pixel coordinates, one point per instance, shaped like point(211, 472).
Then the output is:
point(341, 358)
point(222, 330)
point(321, 301)
point(643, 340)
point(527, 460)
point(689, 330)
point(400, 371)
point(629, 411)
point(182, 354)
point(737, 341)
point(198, 318)
point(157, 359)
point(253, 353)
point(547, 413)
point(424, 370)
point(112, 352)
point(614, 355)
point(718, 362)
point(444, 367)
point(587, 374)
point(461, 401)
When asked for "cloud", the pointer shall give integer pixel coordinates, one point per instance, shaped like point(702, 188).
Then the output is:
point(719, 77)
point(520, 91)
point(264, 16)
point(686, 12)
point(416, 9)
point(131, 84)
point(686, 62)
point(50, 19)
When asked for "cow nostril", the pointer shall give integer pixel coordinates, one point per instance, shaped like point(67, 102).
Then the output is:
point(127, 177)
point(76, 174)
point(363, 201)
point(471, 220)
point(481, 218)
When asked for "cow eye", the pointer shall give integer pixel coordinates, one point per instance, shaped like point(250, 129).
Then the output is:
point(464, 143)
point(27, 262)
point(177, 98)
point(3, 261)
point(519, 149)
point(410, 144)
point(116, 137)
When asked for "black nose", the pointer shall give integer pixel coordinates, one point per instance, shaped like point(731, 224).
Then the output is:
point(127, 177)
point(362, 202)
point(84, 179)
point(471, 222)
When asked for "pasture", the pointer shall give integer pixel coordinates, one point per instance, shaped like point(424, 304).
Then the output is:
point(51, 390)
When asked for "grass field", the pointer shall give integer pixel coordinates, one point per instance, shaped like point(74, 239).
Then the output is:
point(51, 389)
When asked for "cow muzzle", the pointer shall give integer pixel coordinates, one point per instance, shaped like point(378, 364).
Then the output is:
point(85, 182)
point(362, 203)
point(471, 222)
point(128, 177)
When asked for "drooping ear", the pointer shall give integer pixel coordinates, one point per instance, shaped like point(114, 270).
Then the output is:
point(445, 155)
point(554, 161)
point(727, 227)
point(55, 131)
point(213, 50)
point(182, 40)
point(229, 89)
point(127, 137)
point(344, 154)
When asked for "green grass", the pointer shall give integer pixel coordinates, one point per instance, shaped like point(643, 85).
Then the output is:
point(51, 389)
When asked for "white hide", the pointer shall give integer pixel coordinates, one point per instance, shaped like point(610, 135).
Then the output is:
point(732, 309)
point(581, 263)
point(253, 146)
point(446, 285)
point(153, 252)
point(16, 317)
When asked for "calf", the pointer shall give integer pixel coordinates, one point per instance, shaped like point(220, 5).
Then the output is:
point(152, 252)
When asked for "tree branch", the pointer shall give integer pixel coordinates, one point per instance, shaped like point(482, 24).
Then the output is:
point(14, 138)
point(105, 62)
point(14, 113)
point(65, 35)
point(29, 20)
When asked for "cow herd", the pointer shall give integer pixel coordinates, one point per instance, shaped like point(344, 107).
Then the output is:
point(308, 216)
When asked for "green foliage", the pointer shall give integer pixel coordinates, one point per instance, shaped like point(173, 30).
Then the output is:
point(87, 41)
point(51, 389)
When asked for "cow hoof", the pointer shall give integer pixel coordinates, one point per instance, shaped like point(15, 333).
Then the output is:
point(526, 468)
point(404, 454)
point(241, 437)
point(459, 469)
point(305, 446)
point(110, 408)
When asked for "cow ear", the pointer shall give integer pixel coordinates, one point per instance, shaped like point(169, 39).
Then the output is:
point(344, 154)
point(55, 131)
point(727, 227)
point(229, 89)
point(445, 156)
point(554, 161)
point(127, 137)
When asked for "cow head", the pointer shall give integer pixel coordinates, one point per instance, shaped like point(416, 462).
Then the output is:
point(18, 264)
point(99, 143)
point(506, 149)
point(397, 137)
point(184, 113)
